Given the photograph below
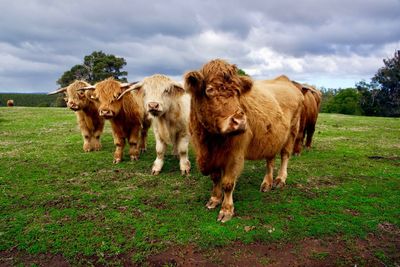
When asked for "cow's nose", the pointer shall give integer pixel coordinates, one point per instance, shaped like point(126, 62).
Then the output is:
point(153, 106)
point(105, 113)
point(238, 121)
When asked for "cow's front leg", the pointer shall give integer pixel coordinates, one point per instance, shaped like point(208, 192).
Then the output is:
point(161, 147)
point(96, 144)
point(216, 193)
point(119, 148)
point(184, 163)
point(228, 182)
point(133, 144)
point(266, 185)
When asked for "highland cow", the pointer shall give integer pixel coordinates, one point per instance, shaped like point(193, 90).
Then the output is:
point(309, 116)
point(127, 116)
point(90, 123)
point(233, 118)
point(168, 104)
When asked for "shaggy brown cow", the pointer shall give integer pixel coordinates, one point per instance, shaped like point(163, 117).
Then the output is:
point(168, 104)
point(309, 116)
point(127, 115)
point(90, 123)
point(232, 119)
point(10, 103)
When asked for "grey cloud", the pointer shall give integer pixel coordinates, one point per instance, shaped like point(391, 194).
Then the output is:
point(39, 40)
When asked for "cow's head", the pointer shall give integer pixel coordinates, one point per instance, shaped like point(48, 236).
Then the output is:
point(216, 91)
point(75, 96)
point(107, 95)
point(159, 92)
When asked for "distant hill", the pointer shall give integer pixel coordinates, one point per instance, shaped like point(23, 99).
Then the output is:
point(32, 100)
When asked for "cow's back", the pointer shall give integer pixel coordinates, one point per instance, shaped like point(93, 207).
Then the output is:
point(272, 108)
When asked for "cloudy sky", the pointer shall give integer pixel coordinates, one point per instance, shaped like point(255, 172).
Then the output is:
point(326, 43)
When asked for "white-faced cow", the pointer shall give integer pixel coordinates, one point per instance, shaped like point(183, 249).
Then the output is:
point(90, 123)
point(169, 106)
point(233, 118)
point(129, 120)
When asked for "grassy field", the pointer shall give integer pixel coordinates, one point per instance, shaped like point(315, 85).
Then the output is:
point(58, 200)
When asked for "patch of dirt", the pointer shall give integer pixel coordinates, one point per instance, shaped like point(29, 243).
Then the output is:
point(15, 257)
point(393, 160)
point(376, 249)
point(334, 251)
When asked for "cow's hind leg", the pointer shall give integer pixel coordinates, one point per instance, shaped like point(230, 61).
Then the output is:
point(266, 185)
point(182, 145)
point(280, 180)
point(133, 144)
point(216, 193)
point(143, 135)
point(310, 133)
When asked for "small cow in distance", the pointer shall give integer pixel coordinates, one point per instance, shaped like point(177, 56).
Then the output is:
point(233, 118)
point(90, 123)
point(10, 103)
point(309, 116)
point(169, 105)
point(127, 116)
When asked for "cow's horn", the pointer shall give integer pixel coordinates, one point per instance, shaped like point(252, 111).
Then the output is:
point(90, 87)
point(60, 90)
point(133, 86)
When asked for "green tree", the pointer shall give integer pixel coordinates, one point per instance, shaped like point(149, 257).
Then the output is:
point(346, 101)
point(96, 67)
point(388, 80)
point(242, 72)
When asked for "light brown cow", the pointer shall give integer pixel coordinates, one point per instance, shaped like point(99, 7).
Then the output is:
point(232, 119)
point(169, 106)
point(10, 103)
point(90, 123)
point(127, 115)
point(309, 116)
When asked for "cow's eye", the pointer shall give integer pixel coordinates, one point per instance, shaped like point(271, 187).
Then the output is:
point(210, 91)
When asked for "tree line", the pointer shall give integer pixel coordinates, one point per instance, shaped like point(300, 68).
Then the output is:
point(379, 97)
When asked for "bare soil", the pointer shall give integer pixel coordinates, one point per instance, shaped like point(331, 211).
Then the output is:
point(376, 249)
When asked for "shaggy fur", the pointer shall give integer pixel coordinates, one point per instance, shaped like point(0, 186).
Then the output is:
point(309, 116)
point(168, 105)
point(127, 117)
point(262, 118)
point(89, 121)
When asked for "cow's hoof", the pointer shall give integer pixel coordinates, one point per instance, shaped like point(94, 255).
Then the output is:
point(185, 172)
point(134, 158)
point(155, 172)
point(265, 187)
point(278, 183)
point(143, 149)
point(116, 161)
point(224, 216)
point(212, 204)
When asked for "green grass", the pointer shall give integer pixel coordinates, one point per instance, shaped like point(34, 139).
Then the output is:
point(57, 199)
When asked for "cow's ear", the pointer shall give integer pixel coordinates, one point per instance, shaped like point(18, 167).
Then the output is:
point(177, 89)
point(246, 84)
point(193, 82)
